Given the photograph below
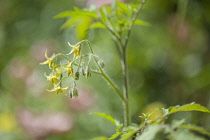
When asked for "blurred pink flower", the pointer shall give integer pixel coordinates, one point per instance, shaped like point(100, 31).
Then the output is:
point(36, 88)
point(38, 126)
point(18, 69)
point(100, 3)
point(84, 101)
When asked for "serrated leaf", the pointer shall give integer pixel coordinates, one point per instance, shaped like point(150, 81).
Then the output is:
point(65, 14)
point(103, 15)
point(130, 131)
point(141, 22)
point(118, 128)
point(196, 129)
point(97, 25)
point(149, 133)
point(99, 138)
point(188, 107)
point(124, 8)
point(115, 135)
point(89, 14)
point(70, 22)
point(127, 135)
point(77, 12)
point(108, 117)
point(82, 27)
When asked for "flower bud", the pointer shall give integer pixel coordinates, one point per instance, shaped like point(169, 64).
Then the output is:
point(75, 92)
point(76, 77)
point(70, 94)
point(87, 72)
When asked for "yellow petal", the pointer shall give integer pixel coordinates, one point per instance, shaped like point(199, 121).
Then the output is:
point(52, 90)
point(70, 45)
point(46, 54)
point(45, 62)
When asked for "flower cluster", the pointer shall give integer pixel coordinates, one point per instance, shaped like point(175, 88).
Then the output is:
point(80, 63)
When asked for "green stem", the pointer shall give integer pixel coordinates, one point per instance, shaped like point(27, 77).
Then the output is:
point(127, 118)
point(133, 21)
point(125, 88)
point(60, 54)
point(116, 38)
point(113, 85)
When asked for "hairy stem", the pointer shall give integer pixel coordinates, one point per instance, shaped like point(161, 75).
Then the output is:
point(125, 88)
point(113, 85)
point(127, 117)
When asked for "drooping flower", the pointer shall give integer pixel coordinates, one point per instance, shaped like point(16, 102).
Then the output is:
point(58, 89)
point(69, 68)
point(49, 61)
point(75, 49)
point(53, 77)
point(73, 93)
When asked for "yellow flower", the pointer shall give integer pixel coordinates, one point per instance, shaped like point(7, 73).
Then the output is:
point(69, 68)
point(76, 50)
point(54, 77)
point(49, 60)
point(58, 89)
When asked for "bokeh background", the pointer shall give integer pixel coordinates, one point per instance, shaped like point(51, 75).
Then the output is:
point(169, 64)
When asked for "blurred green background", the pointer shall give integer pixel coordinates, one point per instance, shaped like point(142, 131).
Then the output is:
point(169, 64)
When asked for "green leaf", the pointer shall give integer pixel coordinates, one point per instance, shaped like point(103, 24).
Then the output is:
point(97, 25)
point(127, 135)
point(124, 8)
point(115, 135)
point(83, 27)
point(99, 138)
point(108, 117)
point(77, 12)
point(130, 131)
point(196, 129)
point(188, 107)
point(70, 22)
point(149, 133)
point(103, 15)
point(65, 14)
point(91, 14)
point(141, 22)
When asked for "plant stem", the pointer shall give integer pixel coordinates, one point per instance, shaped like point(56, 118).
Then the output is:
point(133, 21)
point(113, 85)
point(125, 88)
point(127, 118)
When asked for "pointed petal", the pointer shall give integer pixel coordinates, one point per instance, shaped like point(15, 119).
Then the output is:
point(72, 50)
point(52, 90)
point(46, 54)
point(70, 45)
point(45, 62)
point(65, 88)
point(46, 75)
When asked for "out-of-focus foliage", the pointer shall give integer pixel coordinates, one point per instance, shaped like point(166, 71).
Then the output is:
point(168, 62)
point(149, 129)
